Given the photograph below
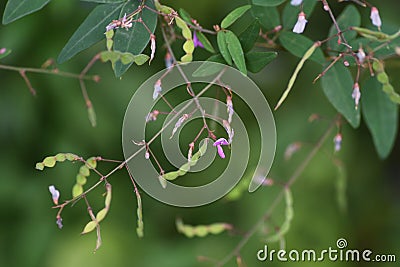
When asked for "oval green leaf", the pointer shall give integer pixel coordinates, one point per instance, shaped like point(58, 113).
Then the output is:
point(381, 116)
point(256, 61)
point(136, 38)
point(223, 47)
point(249, 36)
point(268, 17)
point(349, 17)
point(298, 44)
point(16, 9)
point(268, 2)
point(234, 15)
point(337, 85)
point(90, 31)
point(236, 51)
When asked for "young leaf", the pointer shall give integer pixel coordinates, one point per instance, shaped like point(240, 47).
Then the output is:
point(185, 15)
point(307, 54)
point(135, 39)
point(297, 45)
point(16, 9)
point(234, 15)
point(290, 13)
point(337, 85)
point(268, 17)
point(381, 116)
point(223, 47)
point(249, 36)
point(236, 51)
point(90, 31)
point(268, 2)
point(256, 61)
point(348, 18)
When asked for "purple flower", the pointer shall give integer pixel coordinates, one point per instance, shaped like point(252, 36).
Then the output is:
point(301, 23)
point(196, 41)
point(219, 143)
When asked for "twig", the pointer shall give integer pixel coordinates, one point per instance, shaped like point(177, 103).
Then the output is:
point(296, 174)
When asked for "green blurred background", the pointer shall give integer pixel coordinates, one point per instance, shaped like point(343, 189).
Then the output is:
point(55, 121)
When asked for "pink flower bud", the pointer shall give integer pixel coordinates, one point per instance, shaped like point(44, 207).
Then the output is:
point(2, 50)
point(190, 152)
point(179, 123)
point(375, 18)
point(337, 140)
point(55, 194)
point(356, 95)
point(147, 155)
point(301, 23)
point(168, 60)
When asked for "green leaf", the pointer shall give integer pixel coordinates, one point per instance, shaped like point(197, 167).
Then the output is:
point(234, 15)
point(5, 53)
point(136, 38)
point(185, 15)
point(291, 13)
point(206, 43)
point(223, 47)
point(249, 36)
point(268, 17)
point(267, 2)
point(90, 31)
point(298, 44)
point(16, 9)
point(381, 116)
point(349, 17)
point(337, 85)
point(256, 61)
point(90, 226)
point(207, 68)
point(236, 51)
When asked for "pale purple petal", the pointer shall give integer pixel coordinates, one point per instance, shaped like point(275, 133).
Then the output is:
point(375, 18)
point(300, 24)
point(220, 151)
point(196, 41)
point(296, 2)
point(221, 141)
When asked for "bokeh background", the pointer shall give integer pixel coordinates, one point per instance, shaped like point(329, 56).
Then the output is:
point(55, 121)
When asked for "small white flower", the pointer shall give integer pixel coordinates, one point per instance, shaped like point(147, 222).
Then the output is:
point(55, 194)
point(301, 23)
point(126, 23)
point(375, 18)
point(157, 89)
point(361, 55)
point(356, 95)
point(229, 108)
point(152, 47)
point(296, 2)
